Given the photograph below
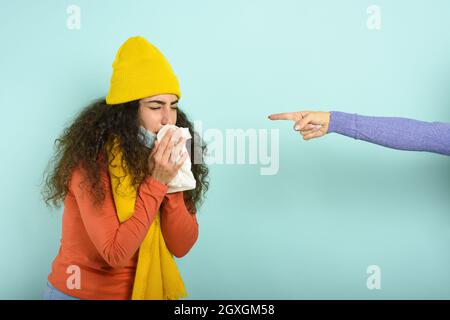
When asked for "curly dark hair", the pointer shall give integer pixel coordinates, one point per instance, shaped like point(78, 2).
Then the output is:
point(86, 141)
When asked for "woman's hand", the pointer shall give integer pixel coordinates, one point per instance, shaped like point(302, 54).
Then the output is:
point(162, 165)
point(310, 124)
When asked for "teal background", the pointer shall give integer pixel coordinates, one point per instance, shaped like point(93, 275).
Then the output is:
point(336, 205)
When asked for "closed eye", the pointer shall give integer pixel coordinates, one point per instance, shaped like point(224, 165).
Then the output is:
point(158, 108)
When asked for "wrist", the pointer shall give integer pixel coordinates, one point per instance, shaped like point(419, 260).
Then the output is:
point(154, 186)
point(159, 179)
point(327, 122)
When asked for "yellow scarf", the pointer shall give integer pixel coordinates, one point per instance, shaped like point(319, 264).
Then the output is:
point(157, 276)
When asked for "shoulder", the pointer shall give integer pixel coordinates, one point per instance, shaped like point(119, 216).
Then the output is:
point(79, 174)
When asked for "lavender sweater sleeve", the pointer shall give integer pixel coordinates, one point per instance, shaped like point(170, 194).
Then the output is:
point(396, 133)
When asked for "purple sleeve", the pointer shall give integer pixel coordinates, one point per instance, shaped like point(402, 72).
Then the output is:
point(396, 133)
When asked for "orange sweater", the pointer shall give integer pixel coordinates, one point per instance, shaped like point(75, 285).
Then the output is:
point(106, 250)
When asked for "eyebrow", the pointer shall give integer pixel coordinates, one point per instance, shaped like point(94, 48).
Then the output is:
point(161, 102)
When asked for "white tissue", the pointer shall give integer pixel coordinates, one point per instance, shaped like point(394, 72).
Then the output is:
point(184, 180)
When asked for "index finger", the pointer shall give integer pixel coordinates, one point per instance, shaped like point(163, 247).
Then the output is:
point(180, 162)
point(294, 116)
point(164, 142)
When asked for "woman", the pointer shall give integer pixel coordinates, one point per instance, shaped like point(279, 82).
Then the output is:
point(102, 253)
point(391, 132)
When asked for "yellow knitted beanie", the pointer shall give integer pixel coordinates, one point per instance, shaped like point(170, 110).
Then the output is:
point(140, 70)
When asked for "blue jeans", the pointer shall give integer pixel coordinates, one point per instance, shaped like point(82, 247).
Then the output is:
point(51, 293)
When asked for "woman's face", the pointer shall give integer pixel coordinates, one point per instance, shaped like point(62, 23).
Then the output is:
point(157, 111)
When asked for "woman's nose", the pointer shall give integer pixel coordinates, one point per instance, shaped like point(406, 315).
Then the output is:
point(165, 117)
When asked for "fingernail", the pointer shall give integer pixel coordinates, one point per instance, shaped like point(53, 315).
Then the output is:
point(296, 127)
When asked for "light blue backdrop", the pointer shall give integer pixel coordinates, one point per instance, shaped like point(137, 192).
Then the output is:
point(336, 205)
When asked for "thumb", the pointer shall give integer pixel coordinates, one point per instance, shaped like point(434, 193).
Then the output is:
point(299, 125)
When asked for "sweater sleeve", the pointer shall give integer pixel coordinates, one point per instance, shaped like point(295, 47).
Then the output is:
point(179, 226)
point(117, 242)
point(392, 132)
